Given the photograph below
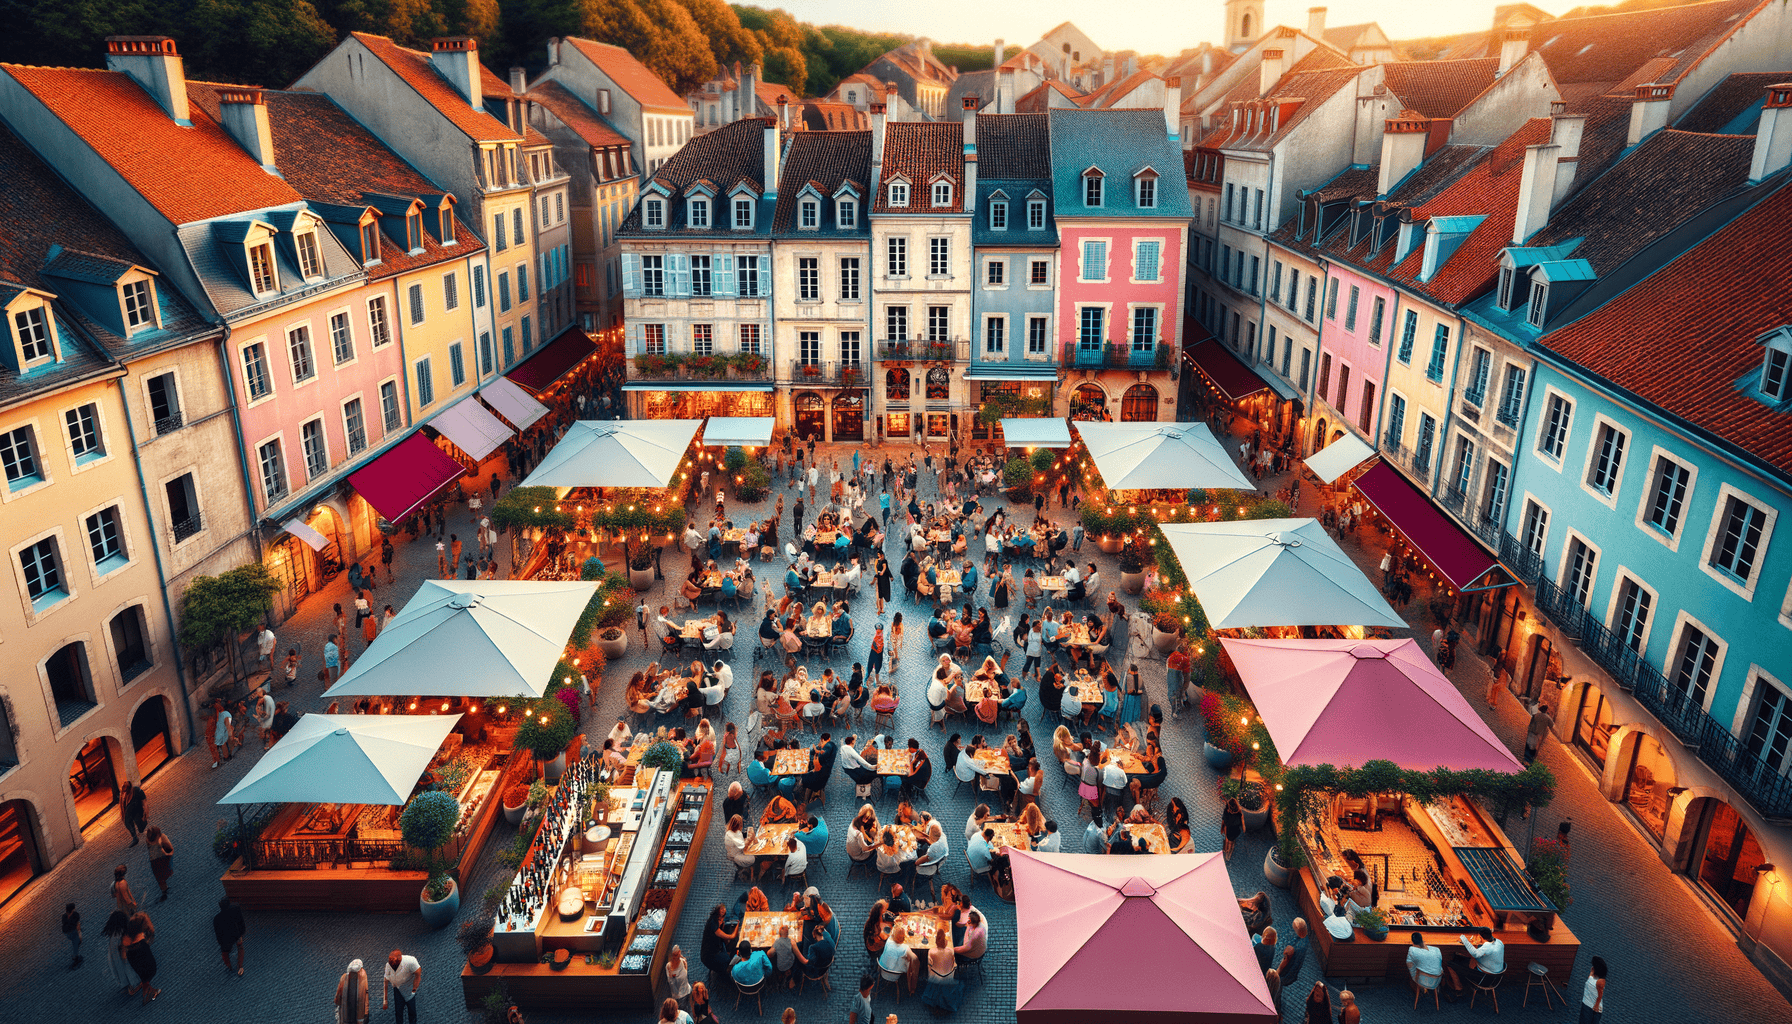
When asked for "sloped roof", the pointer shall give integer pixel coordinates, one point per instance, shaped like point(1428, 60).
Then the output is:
point(826, 159)
point(631, 76)
point(822, 115)
point(1014, 146)
point(1439, 88)
point(729, 155)
point(1733, 106)
point(1345, 37)
point(1036, 101)
point(1121, 143)
point(1608, 48)
point(1311, 87)
point(573, 112)
point(918, 150)
point(415, 69)
point(1726, 292)
point(187, 174)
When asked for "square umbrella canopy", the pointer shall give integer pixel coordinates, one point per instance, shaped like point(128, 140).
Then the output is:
point(1339, 457)
point(470, 638)
point(517, 405)
point(1275, 572)
point(740, 430)
point(1153, 939)
point(1136, 456)
point(1346, 702)
point(616, 453)
point(345, 759)
point(1035, 432)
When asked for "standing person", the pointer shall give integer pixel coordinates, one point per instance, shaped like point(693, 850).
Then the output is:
point(351, 994)
point(71, 930)
point(291, 668)
point(441, 560)
point(116, 967)
point(1592, 999)
point(136, 816)
point(161, 858)
point(401, 970)
point(1231, 826)
point(796, 518)
point(1076, 537)
point(454, 550)
point(1541, 724)
point(228, 928)
point(386, 557)
point(333, 658)
point(370, 628)
point(264, 716)
point(264, 648)
point(221, 733)
point(142, 960)
point(883, 573)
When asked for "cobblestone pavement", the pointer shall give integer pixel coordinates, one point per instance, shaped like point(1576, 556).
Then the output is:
point(1670, 959)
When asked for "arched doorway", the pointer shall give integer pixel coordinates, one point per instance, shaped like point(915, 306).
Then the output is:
point(150, 737)
point(811, 415)
point(1538, 668)
point(1593, 723)
point(327, 521)
point(294, 564)
point(1319, 435)
point(93, 780)
point(1089, 402)
point(849, 416)
point(21, 857)
point(1727, 855)
point(1647, 777)
point(1139, 404)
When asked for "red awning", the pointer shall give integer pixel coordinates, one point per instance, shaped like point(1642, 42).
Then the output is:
point(1217, 363)
point(407, 475)
point(555, 358)
point(1447, 546)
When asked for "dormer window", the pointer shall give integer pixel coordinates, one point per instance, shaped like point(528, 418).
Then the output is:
point(1776, 366)
point(261, 268)
point(1539, 299)
point(1145, 190)
point(808, 215)
point(370, 243)
point(653, 214)
point(448, 227)
point(139, 305)
point(942, 193)
point(998, 215)
point(846, 213)
point(1507, 278)
point(32, 326)
point(413, 232)
point(743, 213)
point(698, 213)
point(1092, 187)
point(311, 263)
point(1036, 215)
point(898, 193)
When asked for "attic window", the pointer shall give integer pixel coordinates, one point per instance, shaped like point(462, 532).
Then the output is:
point(743, 214)
point(370, 243)
point(448, 227)
point(846, 213)
point(1776, 368)
point(898, 193)
point(139, 305)
point(261, 268)
point(697, 213)
point(998, 215)
point(1146, 189)
point(1539, 299)
point(1035, 215)
point(1092, 188)
point(942, 193)
point(1507, 278)
point(311, 265)
point(413, 232)
point(653, 214)
point(33, 328)
point(808, 215)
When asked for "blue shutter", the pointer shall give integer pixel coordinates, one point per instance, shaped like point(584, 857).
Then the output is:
point(721, 274)
point(678, 275)
point(631, 276)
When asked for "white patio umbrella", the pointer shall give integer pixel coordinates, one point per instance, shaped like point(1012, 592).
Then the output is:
point(1032, 432)
point(345, 759)
point(471, 638)
point(1275, 572)
point(1339, 457)
point(739, 430)
point(616, 453)
point(1136, 456)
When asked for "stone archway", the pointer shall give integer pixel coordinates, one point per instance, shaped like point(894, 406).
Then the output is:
point(1642, 774)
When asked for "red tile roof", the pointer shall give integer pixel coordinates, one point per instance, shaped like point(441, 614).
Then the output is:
point(1115, 91)
point(187, 174)
point(572, 111)
point(631, 76)
point(1439, 88)
point(1313, 88)
point(414, 68)
point(1609, 48)
point(1721, 108)
point(918, 150)
point(1725, 292)
point(1037, 102)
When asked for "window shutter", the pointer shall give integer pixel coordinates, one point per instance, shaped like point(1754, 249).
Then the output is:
point(722, 274)
point(631, 276)
point(678, 275)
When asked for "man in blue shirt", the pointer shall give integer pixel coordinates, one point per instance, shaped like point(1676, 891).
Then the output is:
point(1095, 839)
point(883, 501)
point(815, 837)
point(750, 967)
point(793, 580)
point(968, 580)
point(935, 627)
point(977, 851)
point(842, 623)
point(768, 626)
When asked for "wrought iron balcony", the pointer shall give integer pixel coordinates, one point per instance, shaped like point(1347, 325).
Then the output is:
point(169, 423)
point(829, 374)
point(187, 527)
point(688, 367)
point(925, 349)
point(1116, 355)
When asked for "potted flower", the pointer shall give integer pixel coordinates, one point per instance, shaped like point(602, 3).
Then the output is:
point(545, 730)
point(559, 958)
point(1132, 570)
point(1251, 797)
point(613, 641)
point(428, 823)
point(1373, 923)
point(1166, 631)
point(516, 800)
point(1220, 747)
point(475, 940)
point(640, 569)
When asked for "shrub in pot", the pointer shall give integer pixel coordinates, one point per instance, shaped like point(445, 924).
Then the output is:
point(475, 940)
point(428, 824)
point(1166, 632)
point(663, 755)
point(1252, 800)
point(516, 800)
point(545, 729)
point(640, 569)
point(1132, 570)
point(1373, 923)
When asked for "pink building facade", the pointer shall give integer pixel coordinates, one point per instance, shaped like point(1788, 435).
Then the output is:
point(1120, 311)
point(1358, 319)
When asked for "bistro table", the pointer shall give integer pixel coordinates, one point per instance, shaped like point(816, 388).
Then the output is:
point(975, 689)
point(1083, 689)
point(994, 761)
point(759, 928)
point(1011, 834)
point(894, 762)
point(1130, 761)
point(920, 926)
point(771, 840)
point(1053, 585)
point(1157, 840)
point(792, 762)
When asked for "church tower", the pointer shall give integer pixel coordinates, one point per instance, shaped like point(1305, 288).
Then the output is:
point(1244, 23)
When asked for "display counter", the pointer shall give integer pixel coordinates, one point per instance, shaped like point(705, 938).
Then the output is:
point(1443, 869)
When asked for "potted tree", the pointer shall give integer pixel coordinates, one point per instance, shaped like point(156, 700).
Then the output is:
point(1220, 747)
point(1252, 800)
point(516, 800)
point(428, 823)
point(1373, 923)
point(545, 730)
point(1132, 570)
point(640, 569)
point(475, 940)
point(1166, 632)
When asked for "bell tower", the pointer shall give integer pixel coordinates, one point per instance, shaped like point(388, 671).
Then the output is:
point(1244, 23)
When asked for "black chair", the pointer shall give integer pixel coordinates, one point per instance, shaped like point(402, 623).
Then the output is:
point(755, 991)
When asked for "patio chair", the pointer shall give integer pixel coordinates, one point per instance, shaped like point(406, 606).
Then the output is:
point(752, 990)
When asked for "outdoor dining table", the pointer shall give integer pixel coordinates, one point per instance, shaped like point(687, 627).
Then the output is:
point(1129, 760)
point(949, 578)
point(1076, 636)
point(824, 537)
point(975, 689)
point(920, 926)
point(1083, 690)
point(759, 928)
point(1010, 833)
point(636, 749)
point(792, 762)
point(797, 689)
point(1053, 584)
point(994, 761)
point(1157, 839)
point(894, 762)
point(822, 579)
point(771, 840)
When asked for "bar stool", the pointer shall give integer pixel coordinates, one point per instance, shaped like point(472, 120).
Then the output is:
point(1490, 986)
point(1539, 978)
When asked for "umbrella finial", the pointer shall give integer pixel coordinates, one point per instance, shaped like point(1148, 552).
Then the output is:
point(1284, 538)
point(1138, 887)
point(462, 602)
point(341, 730)
point(1366, 652)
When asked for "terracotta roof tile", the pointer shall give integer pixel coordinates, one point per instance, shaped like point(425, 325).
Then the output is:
point(631, 76)
point(1607, 48)
point(1313, 87)
point(727, 156)
point(1732, 106)
point(1726, 292)
point(1037, 102)
point(414, 68)
point(587, 123)
point(919, 150)
point(187, 174)
point(826, 160)
point(1439, 88)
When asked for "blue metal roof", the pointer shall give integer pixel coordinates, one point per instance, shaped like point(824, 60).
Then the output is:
point(1120, 143)
point(1017, 193)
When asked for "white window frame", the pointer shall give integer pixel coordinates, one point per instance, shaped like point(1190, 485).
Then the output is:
point(1683, 619)
point(154, 307)
point(1622, 573)
point(180, 399)
point(286, 350)
point(1048, 285)
point(1610, 501)
point(808, 209)
point(897, 194)
point(100, 428)
point(1162, 247)
point(125, 547)
point(373, 336)
point(1406, 418)
point(1036, 204)
point(939, 194)
point(298, 245)
point(1746, 589)
point(907, 269)
point(32, 614)
point(380, 401)
point(250, 400)
point(998, 206)
point(695, 205)
point(1743, 721)
point(161, 491)
point(342, 417)
point(846, 212)
point(1671, 541)
point(1131, 312)
point(990, 318)
point(1046, 353)
point(931, 239)
point(1555, 462)
point(1786, 607)
point(260, 485)
point(990, 262)
point(1100, 189)
point(323, 433)
point(1568, 540)
point(653, 213)
point(1549, 523)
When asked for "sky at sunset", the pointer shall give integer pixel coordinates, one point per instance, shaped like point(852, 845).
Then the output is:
point(1149, 26)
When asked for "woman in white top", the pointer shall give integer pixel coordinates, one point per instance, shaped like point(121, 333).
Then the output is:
point(735, 843)
point(678, 974)
point(1592, 999)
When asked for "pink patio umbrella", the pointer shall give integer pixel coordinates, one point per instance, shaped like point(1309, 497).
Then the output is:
point(1345, 702)
point(1134, 939)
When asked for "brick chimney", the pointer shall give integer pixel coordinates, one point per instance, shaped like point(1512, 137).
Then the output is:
point(1402, 149)
point(1269, 70)
point(1773, 135)
point(1648, 111)
point(1536, 189)
point(1173, 106)
point(457, 58)
point(1514, 44)
point(1316, 22)
point(153, 63)
point(244, 114)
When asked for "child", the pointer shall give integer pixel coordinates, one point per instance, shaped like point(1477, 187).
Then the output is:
point(291, 667)
point(784, 954)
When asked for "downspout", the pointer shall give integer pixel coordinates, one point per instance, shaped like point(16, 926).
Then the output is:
point(180, 671)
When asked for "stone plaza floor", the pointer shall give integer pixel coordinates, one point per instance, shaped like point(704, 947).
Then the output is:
point(1670, 957)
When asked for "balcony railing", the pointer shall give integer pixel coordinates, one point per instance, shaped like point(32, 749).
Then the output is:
point(169, 423)
point(1116, 355)
point(1759, 781)
point(829, 374)
point(686, 366)
point(1475, 396)
point(925, 349)
point(1508, 414)
point(187, 527)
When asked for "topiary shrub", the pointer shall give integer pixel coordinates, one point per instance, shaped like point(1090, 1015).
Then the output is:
point(664, 755)
point(428, 820)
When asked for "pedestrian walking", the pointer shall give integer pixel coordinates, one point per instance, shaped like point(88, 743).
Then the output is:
point(239, 723)
point(1541, 724)
point(441, 560)
point(796, 518)
point(333, 658)
point(351, 994)
point(370, 627)
point(142, 960)
point(454, 550)
point(264, 716)
point(1592, 999)
point(229, 929)
point(71, 930)
point(401, 970)
point(340, 622)
point(161, 855)
point(131, 805)
point(1076, 537)
point(116, 967)
point(221, 733)
point(386, 557)
point(291, 668)
point(264, 648)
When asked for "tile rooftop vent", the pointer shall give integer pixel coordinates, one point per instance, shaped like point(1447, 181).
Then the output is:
point(445, 43)
point(160, 45)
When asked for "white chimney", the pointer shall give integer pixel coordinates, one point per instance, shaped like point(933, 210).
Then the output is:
point(519, 81)
point(152, 63)
point(244, 114)
point(1773, 135)
point(969, 103)
point(1514, 44)
point(1107, 70)
point(784, 111)
point(553, 51)
point(1005, 91)
point(970, 152)
point(1269, 70)
point(877, 136)
point(1564, 133)
point(1001, 54)
point(1316, 22)
point(457, 58)
point(1173, 106)
point(1206, 63)
point(1402, 149)
point(1536, 187)
point(1648, 111)
point(746, 103)
point(771, 160)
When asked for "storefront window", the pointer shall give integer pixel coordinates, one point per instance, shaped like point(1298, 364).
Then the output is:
point(93, 782)
point(897, 425)
point(690, 405)
point(849, 416)
point(1593, 724)
point(19, 856)
point(810, 414)
point(1731, 855)
point(1089, 402)
point(939, 424)
point(896, 385)
point(939, 384)
point(1646, 787)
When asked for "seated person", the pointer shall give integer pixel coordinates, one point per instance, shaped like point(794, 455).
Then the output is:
point(1488, 956)
point(750, 967)
point(815, 835)
point(1338, 925)
point(729, 587)
point(1425, 960)
point(759, 772)
point(884, 699)
point(989, 707)
point(842, 625)
point(1256, 912)
point(768, 626)
point(779, 811)
point(793, 579)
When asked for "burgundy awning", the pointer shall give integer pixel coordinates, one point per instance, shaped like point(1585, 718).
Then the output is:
point(1458, 556)
point(407, 475)
point(1217, 363)
point(553, 360)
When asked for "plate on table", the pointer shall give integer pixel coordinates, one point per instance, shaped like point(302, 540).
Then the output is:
point(597, 834)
